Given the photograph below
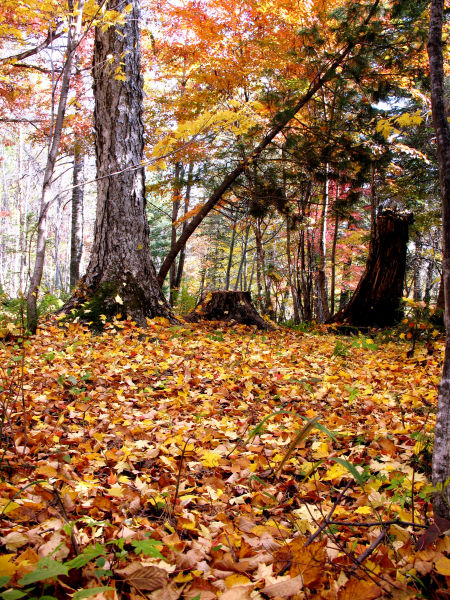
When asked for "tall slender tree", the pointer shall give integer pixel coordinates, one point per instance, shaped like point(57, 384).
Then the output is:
point(76, 233)
point(121, 276)
point(73, 38)
point(441, 453)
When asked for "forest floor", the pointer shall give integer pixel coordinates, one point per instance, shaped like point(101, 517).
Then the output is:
point(167, 463)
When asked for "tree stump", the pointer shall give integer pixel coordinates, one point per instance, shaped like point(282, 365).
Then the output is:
point(376, 300)
point(228, 306)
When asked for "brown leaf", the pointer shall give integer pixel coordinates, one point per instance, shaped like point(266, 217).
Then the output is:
point(432, 533)
point(244, 565)
point(388, 446)
point(284, 588)
point(143, 578)
point(239, 592)
point(168, 592)
point(245, 524)
point(307, 561)
point(359, 589)
point(189, 560)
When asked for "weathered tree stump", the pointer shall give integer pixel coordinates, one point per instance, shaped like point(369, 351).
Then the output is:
point(228, 306)
point(376, 300)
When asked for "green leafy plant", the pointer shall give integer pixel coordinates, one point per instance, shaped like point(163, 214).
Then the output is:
point(364, 343)
point(50, 569)
point(340, 349)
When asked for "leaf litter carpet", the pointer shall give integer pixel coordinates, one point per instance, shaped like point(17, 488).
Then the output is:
point(166, 463)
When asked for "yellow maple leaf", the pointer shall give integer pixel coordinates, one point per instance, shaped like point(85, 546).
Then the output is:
point(116, 491)
point(7, 567)
point(337, 471)
point(236, 579)
point(442, 565)
point(320, 450)
point(210, 458)
point(363, 510)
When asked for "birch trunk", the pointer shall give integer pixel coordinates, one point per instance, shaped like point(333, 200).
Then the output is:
point(76, 233)
point(441, 452)
point(323, 312)
point(47, 195)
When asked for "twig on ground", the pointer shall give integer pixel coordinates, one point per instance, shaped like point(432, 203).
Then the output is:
point(369, 550)
point(313, 536)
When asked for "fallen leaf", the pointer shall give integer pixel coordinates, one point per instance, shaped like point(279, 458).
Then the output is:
point(442, 565)
point(14, 540)
point(143, 578)
point(284, 587)
point(359, 589)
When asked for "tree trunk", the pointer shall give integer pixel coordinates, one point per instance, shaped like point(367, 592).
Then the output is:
point(280, 122)
point(261, 253)
point(76, 233)
point(376, 300)
point(322, 312)
point(333, 263)
point(228, 306)
point(178, 183)
point(243, 255)
point(291, 285)
point(120, 277)
point(187, 198)
point(441, 452)
point(429, 280)
point(230, 255)
point(373, 209)
point(417, 270)
point(46, 197)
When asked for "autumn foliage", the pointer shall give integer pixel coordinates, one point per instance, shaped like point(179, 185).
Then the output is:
point(167, 463)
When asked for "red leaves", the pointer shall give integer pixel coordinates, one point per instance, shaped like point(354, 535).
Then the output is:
point(432, 533)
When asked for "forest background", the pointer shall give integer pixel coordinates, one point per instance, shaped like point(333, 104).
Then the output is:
point(296, 228)
point(282, 144)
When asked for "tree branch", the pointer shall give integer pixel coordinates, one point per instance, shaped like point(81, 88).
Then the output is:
point(278, 126)
point(52, 35)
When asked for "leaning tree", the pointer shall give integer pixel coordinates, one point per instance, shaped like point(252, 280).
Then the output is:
point(120, 277)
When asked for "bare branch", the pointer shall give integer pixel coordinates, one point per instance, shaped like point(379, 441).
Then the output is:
point(52, 35)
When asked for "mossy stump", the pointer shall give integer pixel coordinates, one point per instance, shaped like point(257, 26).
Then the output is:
point(229, 306)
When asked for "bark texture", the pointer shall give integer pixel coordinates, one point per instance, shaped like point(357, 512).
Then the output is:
point(376, 300)
point(441, 452)
point(76, 233)
point(47, 197)
point(120, 277)
point(228, 306)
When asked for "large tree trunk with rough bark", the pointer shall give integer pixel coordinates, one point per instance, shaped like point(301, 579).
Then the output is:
point(120, 277)
point(228, 306)
point(441, 452)
point(376, 300)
